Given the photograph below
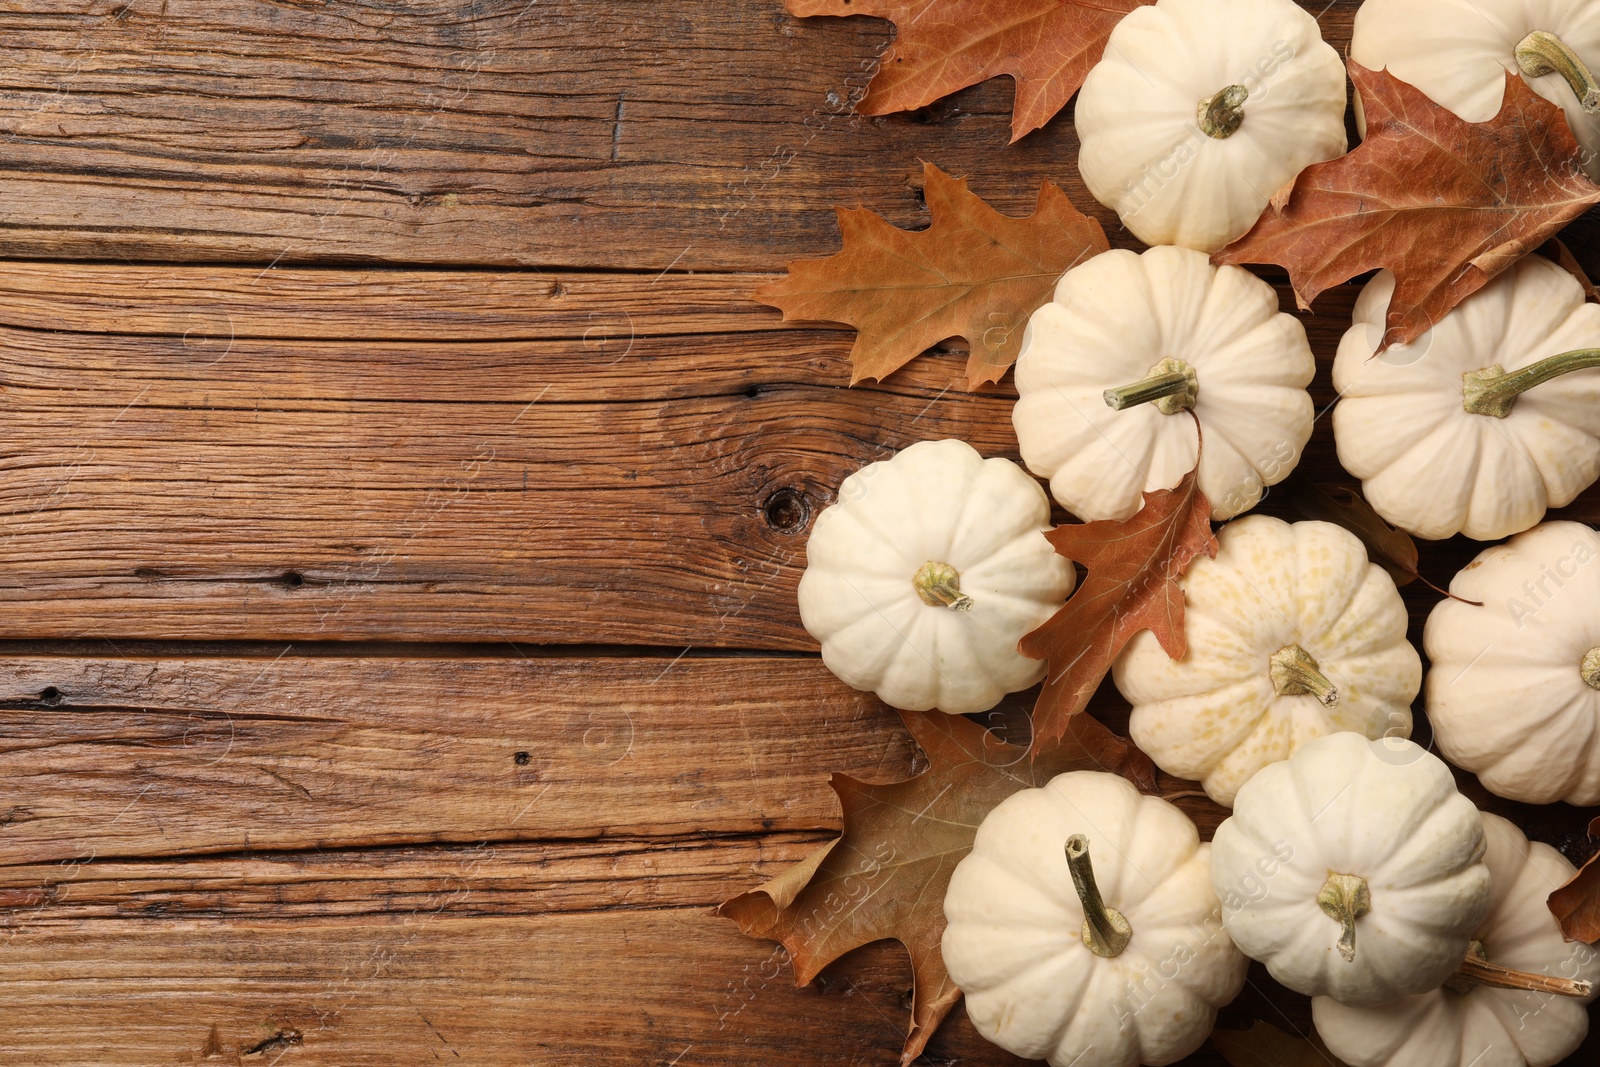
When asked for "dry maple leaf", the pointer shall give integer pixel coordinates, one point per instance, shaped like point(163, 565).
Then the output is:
point(1264, 1045)
point(1576, 905)
point(940, 46)
point(886, 876)
point(973, 273)
point(1132, 585)
point(1443, 203)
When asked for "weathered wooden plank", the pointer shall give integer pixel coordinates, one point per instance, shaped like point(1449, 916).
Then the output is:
point(139, 757)
point(486, 878)
point(658, 987)
point(525, 491)
point(209, 306)
point(567, 133)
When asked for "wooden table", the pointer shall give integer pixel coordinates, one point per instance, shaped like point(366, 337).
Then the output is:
point(403, 501)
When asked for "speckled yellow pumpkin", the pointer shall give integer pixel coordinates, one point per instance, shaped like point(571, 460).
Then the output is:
point(1293, 634)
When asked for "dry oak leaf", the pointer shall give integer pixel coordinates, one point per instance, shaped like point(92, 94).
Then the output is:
point(1132, 585)
point(1444, 204)
point(940, 46)
point(886, 876)
point(1576, 905)
point(973, 273)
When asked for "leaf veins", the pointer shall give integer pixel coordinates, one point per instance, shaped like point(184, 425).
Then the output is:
point(1443, 203)
point(973, 273)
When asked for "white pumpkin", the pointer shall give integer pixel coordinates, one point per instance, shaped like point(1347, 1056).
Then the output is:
point(1164, 335)
point(1469, 1024)
point(1293, 634)
point(1353, 869)
point(923, 576)
point(1083, 930)
point(1436, 429)
point(1513, 692)
point(1458, 52)
point(1200, 110)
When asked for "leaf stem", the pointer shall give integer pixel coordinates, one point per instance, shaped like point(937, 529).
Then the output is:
point(1345, 898)
point(1221, 114)
point(1171, 385)
point(1476, 970)
point(1491, 391)
point(1295, 673)
point(1542, 52)
point(939, 586)
point(1105, 931)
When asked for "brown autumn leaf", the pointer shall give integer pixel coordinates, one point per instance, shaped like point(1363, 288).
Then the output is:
point(1444, 204)
point(973, 273)
point(886, 876)
point(1264, 1045)
point(1131, 586)
point(940, 46)
point(1576, 905)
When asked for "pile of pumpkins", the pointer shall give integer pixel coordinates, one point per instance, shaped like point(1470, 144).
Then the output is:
point(1089, 925)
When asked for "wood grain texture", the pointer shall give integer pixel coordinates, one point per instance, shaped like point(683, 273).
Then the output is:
point(511, 492)
point(194, 462)
point(209, 306)
point(652, 986)
point(485, 878)
point(122, 758)
point(575, 133)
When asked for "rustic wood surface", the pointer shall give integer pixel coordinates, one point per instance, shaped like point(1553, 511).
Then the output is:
point(401, 507)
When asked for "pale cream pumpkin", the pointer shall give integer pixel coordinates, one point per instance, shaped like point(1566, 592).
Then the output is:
point(1200, 110)
point(1112, 369)
point(1513, 691)
point(1466, 1023)
point(924, 575)
point(1353, 869)
point(1462, 430)
point(1293, 634)
point(1083, 929)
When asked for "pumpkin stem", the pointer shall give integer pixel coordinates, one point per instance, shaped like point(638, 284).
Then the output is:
point(1492, 391)
point(1476, 970)
point(1345, 898)
point(1171, 385)
point(1294, 673)
point(1105, 931)
point(1542, 52)
point(1221, 115)
point(939, 586)
point(1591, 668)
